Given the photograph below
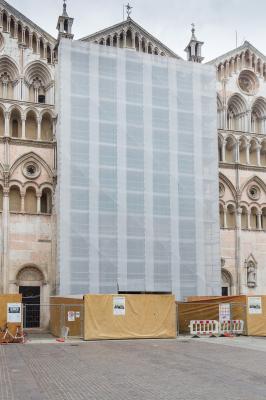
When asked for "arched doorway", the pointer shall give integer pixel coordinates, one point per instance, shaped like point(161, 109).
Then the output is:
point(30, 281)
point(226, 283)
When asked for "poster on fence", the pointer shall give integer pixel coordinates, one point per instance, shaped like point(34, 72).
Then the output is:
point(119, 306)
point(71, 316)
point(224, 312)
point(254, 305)
point(14, 312)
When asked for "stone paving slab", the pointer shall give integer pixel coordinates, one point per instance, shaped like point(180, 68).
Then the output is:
point(180, 369)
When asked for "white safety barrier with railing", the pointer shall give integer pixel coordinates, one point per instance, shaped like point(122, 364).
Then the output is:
point(212, 327)
point(204, 327)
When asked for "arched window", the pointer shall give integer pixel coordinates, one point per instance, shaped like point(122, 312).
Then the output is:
point(38, 77)
point(41, 48)
point(253, 218)
point(242, 151)
point(49, 54)
point(19, 32)
point(231, 217)
point(220, 149)
point(129, 39)
point(2, 122)
point(34, 43)
point(14, 199)
point(47, 127)
point(46, 201)
point(15, 124)
point(258, 114)
point(236, 119)
point(226, 283)
point(8, 77)
point(263, 218)
point(4, 22)
point(12, 27)
point(253, 152)
point(31, 126)
point(244, 218)
point(1, 198)
point(221, 213)
point(27, 37)
point(263, 153)
point(230, 150)
point(31, 201)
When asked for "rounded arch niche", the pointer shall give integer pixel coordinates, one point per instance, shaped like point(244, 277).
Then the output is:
point(30, 275)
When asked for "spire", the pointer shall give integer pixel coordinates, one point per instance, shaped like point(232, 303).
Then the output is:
point(193, 49)
point(64, 24)
point(64, 9)
point(193, 37)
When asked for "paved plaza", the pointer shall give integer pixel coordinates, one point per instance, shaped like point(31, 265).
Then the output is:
point(182, 369)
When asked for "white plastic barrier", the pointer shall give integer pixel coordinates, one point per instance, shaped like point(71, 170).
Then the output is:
point(235, 326)
point(204, 327)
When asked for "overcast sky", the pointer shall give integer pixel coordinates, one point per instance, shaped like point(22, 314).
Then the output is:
point(168, 20)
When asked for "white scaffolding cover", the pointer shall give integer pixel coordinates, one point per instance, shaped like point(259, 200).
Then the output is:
point(137, 191)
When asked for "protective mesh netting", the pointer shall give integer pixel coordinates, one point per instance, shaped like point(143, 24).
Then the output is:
point(137, 197)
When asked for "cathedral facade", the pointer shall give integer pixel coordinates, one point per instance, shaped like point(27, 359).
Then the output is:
point(28, 148)
point(241, 105)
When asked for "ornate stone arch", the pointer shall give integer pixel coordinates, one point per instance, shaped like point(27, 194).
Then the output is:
point(229, 184)
point(255, 179)
point(30, 274)
point(36, 158)
point(37, 69)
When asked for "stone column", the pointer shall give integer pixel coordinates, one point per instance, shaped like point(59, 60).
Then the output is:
point(133, 40)
point(39, 203)
point(5, 225)
point(23, 202)
point(39, 121)
point(23, 36)
point(7, 123)
point(232, 67)
point(238, 217)
point(237, 152)
point(238, 63)
point(38, 46)
point(16, 30)
point(247, 153)
point(8, 24)
point(30, 40)
point(223, 150)
point(248, 214)
point(248, 121)
point(258, 148)
point(1, 20)
point(23, 121)
point(225, 218)
point(124, 39)
point(258, 215)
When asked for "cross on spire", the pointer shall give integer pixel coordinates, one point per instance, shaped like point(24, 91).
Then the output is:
point(128, 10)
point(65, 9)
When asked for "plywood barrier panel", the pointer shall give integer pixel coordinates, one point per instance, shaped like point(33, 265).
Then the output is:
point(66, 312)
point(256, 315)
point(129, 316)
point(207, 308)
point(4, 300)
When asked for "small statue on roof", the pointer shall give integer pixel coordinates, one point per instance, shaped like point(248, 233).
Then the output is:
point(128, 10)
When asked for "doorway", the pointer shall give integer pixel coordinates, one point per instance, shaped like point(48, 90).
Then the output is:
point(31, 306)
